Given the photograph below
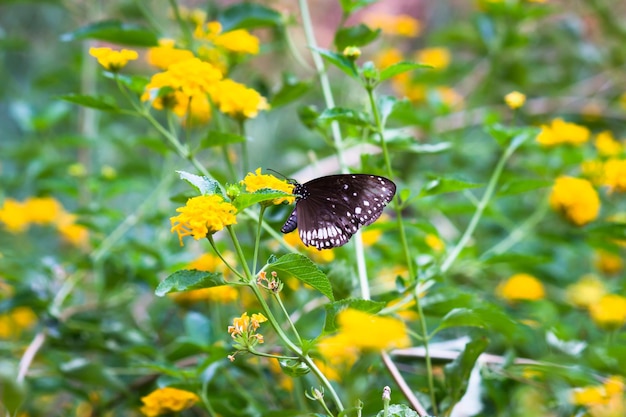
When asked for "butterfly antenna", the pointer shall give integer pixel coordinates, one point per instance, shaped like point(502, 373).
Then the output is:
point(290, 180)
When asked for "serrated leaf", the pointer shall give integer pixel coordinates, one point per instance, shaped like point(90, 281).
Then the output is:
point(340, 61)
point(245, 200)
point(458, 371)
point(358, 35)
point(106, 103)
point(440, 185)
point(249, 15)
point(114, 31)
point(289, 93)
point(332, 309)
point(399, 68)
point(344, 115)
point(303, 269)
point(485, 318)
point(189, 279)
point(218, 138)
point(205, 185)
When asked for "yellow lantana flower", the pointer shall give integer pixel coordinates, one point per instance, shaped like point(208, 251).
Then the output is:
point(237, 100)
point(586, 292)
point(257, 181)
point(576, 199)
point(615, 174)
point(515, 99)
point(202, 216)
point(606, 400)
point(238, 41)
point(43, 210)
point(560, 132)
point(521, 287)
point(370, 332)
point(14, 216)
point(76, 234)
point(113, 60)
point(607, 262)
point(167, 400)
point(14, 322)
point(166, 54)
point(609, 312)
point(607, 145)
point(434, 242)
point(438, 58)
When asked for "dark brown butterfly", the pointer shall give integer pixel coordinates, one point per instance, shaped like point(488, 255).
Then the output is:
point(329, 210)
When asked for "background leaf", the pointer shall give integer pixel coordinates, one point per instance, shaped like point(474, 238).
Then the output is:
point(114, 31)
point(189, 279)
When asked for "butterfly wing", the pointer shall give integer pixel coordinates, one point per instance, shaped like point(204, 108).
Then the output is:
point(331, 209)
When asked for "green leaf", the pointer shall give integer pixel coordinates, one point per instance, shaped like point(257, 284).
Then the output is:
point(340, 61)
point(301, 267)
point(399, 68)
point(344, 115)
point(506, 134)
point(511, 259)
point(135, 83)
point(12, 393)
point(518, 186)
point(332, 309)
point(458, 371)
point(197, 328)
point(358, 35)
point(245, 200)
point(290, 92)
point(116, 32)
point(218, 138)
point(398, 410)
point(608, 230)
point(483, 317)
point(350, 6)
point(106, 103)
point(189, 279)
point(248, 16)
point(440, 185)
point(205, 185)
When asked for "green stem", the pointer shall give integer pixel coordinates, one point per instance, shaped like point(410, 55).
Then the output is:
point(183, 25)
point(219, 255)
point(293, 327)
point(257, 241)
point(267, 355)
point(249, 278)
point(482, 205)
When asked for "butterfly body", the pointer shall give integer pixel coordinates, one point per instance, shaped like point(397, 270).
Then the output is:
point(329, 210)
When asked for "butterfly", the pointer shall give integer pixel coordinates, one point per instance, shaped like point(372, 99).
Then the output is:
point(329, 210)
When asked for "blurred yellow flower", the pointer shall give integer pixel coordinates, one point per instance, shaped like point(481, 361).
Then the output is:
point(560, 132)
point(237, 100)
point(609, 312)
point(608, 263)
point(449, 96)
point(576, 199)
point(195, 16)
point(607, 145)
point(43, 210)
point(400, 25)
point(108, 172)
point(202, 216)
point(328, 370)
point(587, 291)
point(113, 60)
point(438, 58)
point(352, 52)
point(166, 54)
point(521, 287)
point(76, 234)
point(370, 332)
point(615, 175)
point(434, 242)
point(15, 321)
point(257, 181)
point(593, 169)
point(284, 381)
point(77, 170)
point(211, 263)
point(14, 216)
point(237, 41)
point(388, 57)
point(167, 400)
point(515, 99)
point(606, 400)
point(318, 256)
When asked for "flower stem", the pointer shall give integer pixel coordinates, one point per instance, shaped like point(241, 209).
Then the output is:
point(219, 255)
point(249, 278)
point(257, 241)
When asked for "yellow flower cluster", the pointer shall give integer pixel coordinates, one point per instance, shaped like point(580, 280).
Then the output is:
point(360, 331)
point(576, 199)
point(167, 400)
point(521, 287)
point(400, 25)
point(237, 100)
point(243, 332)
point(560, 132)
point(606, 400)
point(609, 312)
point(113, 60)
point(607, 145)
point(15, 321)
point(203, 216)
point(438, 58)
point(257, 181)
point(18, 216)
point(237, 41)
point(166, 54)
